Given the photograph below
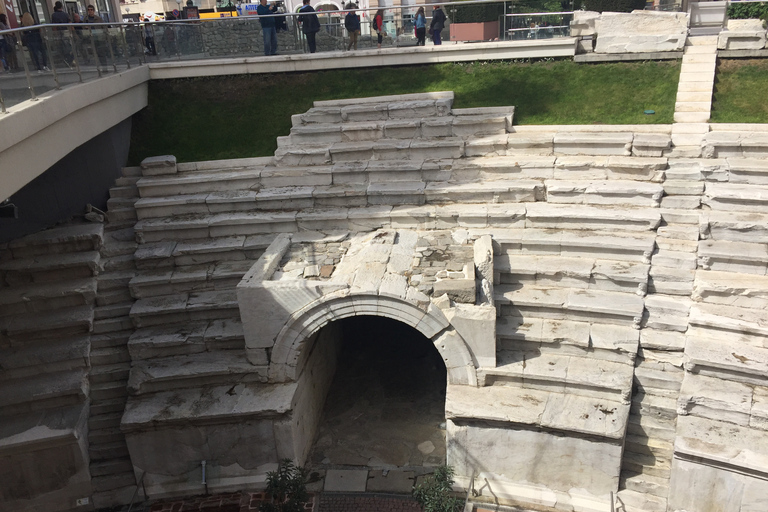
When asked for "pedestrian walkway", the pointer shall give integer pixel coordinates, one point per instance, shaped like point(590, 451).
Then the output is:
point(694, 95)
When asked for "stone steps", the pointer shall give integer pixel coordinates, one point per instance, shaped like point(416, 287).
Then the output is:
point(48, 268)
point(481, 122)
point(697, 75)
point(109, 451)
point(42, 297)
point(613, 245)
point(736, 197)
point(725, 256)
point(408, 106)
point(571, 304)
point(198, 227)
point(563, 167)
point(196, 253)
point(43, 391)
point(57, 323)
point(198, 182)
point(71, 238)
point(189, 279)
point(645, 484)
point(735, 226)
point(584, 272)
point(385, 192)
point(187, 339)
point(49, 356)
point(109, 356)
point(633, 501)
point(555, 216)
point(567, 338)
point(588, 376)
point(108, 391)
point(109, 467)
point(182, 308)
point(723, 144)
point(604, 193)
point(194, 370)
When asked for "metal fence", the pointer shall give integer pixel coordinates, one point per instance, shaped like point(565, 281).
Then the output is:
point(45, 57)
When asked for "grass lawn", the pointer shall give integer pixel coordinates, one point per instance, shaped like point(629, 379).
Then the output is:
point(241, 116)
point(740, 92)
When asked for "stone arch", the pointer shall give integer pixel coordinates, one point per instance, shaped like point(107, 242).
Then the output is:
point(290, 350)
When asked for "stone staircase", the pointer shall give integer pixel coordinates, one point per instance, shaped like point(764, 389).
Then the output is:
point(694, 95)
point(114, 482)
point(48, 290)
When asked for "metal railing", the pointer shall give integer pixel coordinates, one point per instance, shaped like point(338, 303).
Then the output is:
point(46, 57)
point(537, 25)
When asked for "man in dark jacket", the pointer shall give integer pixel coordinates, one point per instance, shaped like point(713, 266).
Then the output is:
point(59, 16)
point(267, 19)
point(437, 25)
point(310, 25)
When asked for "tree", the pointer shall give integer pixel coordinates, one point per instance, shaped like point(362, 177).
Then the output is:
point(286, 489)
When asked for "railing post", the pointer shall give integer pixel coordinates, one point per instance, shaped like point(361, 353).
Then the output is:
point(75, 56)
point(20, 48)
point(47, 41)
point(95, 54)
point(126, 50)
point(108, 39)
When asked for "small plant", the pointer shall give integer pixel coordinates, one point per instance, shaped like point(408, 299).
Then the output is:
point(286, 489)
point(434, 494)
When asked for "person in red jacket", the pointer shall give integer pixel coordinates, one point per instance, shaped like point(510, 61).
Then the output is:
point(378, 22)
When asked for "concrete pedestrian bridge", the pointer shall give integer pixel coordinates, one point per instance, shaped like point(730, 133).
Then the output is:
point(580, 310)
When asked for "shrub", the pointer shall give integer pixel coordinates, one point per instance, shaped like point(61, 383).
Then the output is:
point(614, 5)
point(748, 10)
point(286, 489)
point(434, 494)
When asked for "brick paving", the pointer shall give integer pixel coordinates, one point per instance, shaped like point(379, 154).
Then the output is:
point(232, 502)
point(366, 503)
point(328, 502)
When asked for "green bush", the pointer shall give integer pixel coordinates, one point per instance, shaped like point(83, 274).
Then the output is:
point(614, 5)
point(286, 489)
point(434, 494)
point(748, 10)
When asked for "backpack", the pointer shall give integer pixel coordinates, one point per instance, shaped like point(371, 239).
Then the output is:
point(376, 23)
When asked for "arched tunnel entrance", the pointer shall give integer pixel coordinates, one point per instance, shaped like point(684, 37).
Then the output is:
point(386, 404)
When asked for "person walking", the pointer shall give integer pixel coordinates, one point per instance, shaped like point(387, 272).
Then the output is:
point(352, 24)
point(421, 27)
point(60, 34)
point(310, 25)
point(267, 19)
point(5, 47)
point(34, 42)
point(378, 22)
point(437, 25)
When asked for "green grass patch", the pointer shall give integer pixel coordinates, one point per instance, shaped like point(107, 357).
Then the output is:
point(740, 92)
point(241, 116)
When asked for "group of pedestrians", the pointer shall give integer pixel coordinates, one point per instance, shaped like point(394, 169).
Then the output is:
point(310, 25)
point(33, 39)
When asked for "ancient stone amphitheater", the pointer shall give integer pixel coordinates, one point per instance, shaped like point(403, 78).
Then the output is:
point(597, 294)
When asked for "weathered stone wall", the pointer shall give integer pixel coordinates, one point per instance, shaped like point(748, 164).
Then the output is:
point(597, 295)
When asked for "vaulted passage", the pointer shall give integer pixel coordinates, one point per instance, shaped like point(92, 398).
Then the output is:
point(386, 405)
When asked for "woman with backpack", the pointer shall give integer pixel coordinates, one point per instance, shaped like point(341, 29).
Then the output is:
point(420, 23)
point(352, 24)
point(378, 22)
